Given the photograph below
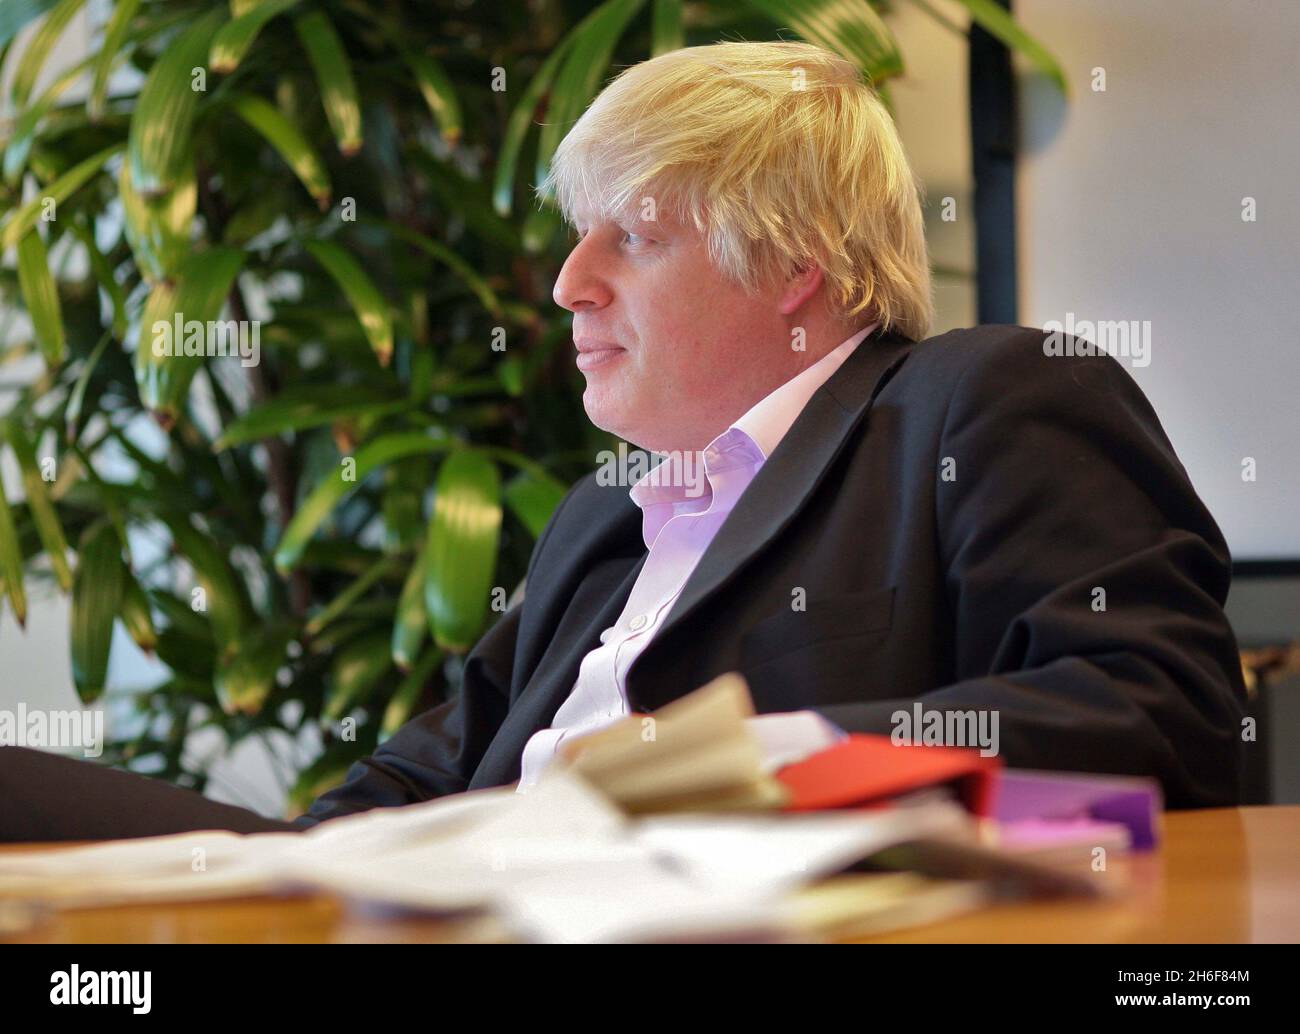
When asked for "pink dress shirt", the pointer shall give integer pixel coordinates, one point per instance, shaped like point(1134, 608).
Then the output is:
point(684, 501)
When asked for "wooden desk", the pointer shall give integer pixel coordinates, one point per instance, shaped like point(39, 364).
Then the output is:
point(1226, 875)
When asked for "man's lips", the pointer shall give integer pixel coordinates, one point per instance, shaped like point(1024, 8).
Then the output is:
point(593, 353)
point(593, 344)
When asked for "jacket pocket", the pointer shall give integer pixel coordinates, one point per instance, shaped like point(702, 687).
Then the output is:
point(826, 618)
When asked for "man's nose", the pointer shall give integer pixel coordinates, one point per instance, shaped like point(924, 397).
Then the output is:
point(579, 286)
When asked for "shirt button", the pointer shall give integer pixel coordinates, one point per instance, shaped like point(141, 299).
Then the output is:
point(637, 622)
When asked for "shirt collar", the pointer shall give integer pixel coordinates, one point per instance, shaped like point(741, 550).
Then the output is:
point(768, 420)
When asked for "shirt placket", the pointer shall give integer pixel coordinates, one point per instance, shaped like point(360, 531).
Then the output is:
point(677, 549)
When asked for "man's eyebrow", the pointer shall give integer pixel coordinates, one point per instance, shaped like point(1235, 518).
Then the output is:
point(655, 224)
point(627, 219)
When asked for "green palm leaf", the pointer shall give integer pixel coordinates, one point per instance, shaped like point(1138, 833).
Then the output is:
point(158, 228)
point(77, 397)
point(96, 598)
point(438, 93)
point(337, 485)
point(236, 36)
point(462, 548)
point(666, 28)
point(11, 560)
point(159, 142)
point(20, 142)
point(533, 497)
point(41, 297)
point(586, 63)
point(103, 273)
point(40, 505)
point(998, 22)
point(361, 292)
point(115, 35)
point(411, 623)
point(407, 695)
point(441, 253)
point(201, 285)
point(338, 92)
point(356, 672)
point(521, 120)
point(305, 408)
point(38, 50)
point(225, 600)
point(24, 217)
point(850, 28)
point(136, 614)
point(247, 676)
point(292, 146)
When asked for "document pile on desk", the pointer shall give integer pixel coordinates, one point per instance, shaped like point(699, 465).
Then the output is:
point(662, 827)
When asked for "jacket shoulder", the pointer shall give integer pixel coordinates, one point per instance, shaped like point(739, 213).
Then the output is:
point(1005, 356)
point(952, 354)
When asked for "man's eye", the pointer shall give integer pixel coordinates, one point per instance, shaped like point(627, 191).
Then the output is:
point(635, 239)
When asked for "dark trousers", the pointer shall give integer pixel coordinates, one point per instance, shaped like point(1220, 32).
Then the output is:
point(46, 796)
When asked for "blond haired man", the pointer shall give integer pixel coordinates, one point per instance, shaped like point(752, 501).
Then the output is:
point(857, 519)
point(865, 523)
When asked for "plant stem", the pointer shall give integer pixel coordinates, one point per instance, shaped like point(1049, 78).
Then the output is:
point(280, 473)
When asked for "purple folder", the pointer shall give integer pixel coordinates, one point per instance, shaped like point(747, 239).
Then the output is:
point(1134, 802)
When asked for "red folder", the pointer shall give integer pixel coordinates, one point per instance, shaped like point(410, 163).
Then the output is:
point(869, 770)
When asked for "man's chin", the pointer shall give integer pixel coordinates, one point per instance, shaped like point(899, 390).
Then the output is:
point(613, 420)
point(601, 415)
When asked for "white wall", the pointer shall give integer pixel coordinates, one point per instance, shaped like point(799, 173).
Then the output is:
point(1130, 208)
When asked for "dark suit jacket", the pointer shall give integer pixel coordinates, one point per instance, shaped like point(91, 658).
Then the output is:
point(948, 508)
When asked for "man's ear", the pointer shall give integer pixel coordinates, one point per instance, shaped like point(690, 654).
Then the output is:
point(804, 281)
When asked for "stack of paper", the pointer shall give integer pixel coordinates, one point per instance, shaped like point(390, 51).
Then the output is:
point(661, 827)
point(558, 864)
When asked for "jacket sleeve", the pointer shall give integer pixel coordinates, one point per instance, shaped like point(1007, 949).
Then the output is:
point(437, 752)
point(1085, 580)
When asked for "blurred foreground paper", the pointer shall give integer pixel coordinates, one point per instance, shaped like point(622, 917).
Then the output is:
point(614, 846)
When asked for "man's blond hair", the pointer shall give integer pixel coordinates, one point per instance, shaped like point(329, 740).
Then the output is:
point(780, 153)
